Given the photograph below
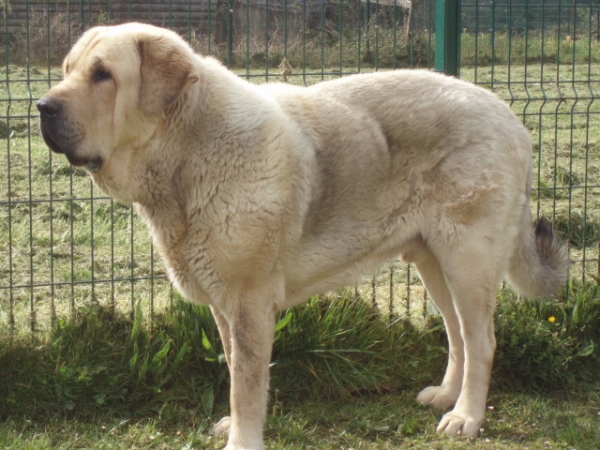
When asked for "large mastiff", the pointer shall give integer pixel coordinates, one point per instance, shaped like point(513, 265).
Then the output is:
point(260, 196)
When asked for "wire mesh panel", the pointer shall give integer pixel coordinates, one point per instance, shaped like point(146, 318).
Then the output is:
point(64, 245)
point(543, 57)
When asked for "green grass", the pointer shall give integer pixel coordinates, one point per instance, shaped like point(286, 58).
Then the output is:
point(548, 45)
point(343, 377)
point(386, 422)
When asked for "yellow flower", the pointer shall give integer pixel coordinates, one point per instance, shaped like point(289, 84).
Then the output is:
point(551, 319)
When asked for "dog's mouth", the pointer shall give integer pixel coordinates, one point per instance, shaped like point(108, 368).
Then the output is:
point(49, 139)
point(91, 164)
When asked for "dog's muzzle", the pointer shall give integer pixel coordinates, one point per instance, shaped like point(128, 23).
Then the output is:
point(61, 135)
point(51, 120)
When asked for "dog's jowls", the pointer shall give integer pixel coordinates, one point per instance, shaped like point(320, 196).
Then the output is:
point(260, 196)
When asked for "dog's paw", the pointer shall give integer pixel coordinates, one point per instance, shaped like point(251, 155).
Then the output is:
point(221, 427)
point(457, 424)
point(437, 396)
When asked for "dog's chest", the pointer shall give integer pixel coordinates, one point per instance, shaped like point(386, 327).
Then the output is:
point(171, 236)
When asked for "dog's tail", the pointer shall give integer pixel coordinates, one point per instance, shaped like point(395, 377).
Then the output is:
point(540, 262)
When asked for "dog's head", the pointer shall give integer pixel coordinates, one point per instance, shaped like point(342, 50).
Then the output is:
point(117, 83)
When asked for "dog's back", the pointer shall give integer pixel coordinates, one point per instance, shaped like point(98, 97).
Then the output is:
point(397, 156)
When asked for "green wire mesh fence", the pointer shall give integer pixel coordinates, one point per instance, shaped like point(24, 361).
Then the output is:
point(65, 246)
point(543, 58)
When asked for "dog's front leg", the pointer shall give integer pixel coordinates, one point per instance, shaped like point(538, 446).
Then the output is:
point(224, 424)
point(250, 323)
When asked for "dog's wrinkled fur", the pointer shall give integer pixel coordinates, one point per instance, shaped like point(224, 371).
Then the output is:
point(260, 196)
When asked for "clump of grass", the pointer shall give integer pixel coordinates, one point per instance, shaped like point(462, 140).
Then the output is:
point(342, 346)
point(546, 345)
point(102, 363)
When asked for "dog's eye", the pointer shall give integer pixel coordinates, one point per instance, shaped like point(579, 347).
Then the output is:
point(101, 75)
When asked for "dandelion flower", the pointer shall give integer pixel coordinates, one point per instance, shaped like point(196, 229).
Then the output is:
point(551, 319)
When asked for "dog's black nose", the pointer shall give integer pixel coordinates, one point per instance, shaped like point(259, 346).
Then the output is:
point(48, 106)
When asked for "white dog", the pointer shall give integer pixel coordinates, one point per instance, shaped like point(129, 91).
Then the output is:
point(260, 196)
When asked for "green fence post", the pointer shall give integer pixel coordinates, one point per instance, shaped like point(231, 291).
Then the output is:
point(447, 36)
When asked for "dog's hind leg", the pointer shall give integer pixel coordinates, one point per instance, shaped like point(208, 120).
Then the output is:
point(445, 395)
point(473, 272)
point(224, 424)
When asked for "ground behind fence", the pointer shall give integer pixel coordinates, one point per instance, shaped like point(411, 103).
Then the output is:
point(64, 245)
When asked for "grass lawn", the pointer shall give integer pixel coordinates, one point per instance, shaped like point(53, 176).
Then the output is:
point(344, 377)
point(514, 421)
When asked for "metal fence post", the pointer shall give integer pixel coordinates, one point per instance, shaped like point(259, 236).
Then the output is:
point(447, 36)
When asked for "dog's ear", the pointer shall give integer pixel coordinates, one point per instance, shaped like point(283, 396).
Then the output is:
point(165, 72)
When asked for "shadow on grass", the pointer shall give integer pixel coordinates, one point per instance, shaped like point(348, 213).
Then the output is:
point(103, 368)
